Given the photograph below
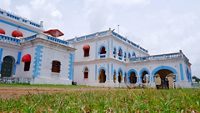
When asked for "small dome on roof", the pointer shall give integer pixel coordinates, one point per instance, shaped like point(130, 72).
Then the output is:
point(2, 31)
point(17, 33)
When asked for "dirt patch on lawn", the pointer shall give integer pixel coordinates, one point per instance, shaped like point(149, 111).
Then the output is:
point(15, 92)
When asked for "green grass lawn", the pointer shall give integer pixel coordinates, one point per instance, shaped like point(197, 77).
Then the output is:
point(42, 86)
point(109, 100)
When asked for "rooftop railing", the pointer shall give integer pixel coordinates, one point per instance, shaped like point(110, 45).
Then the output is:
point(9, 39)
point(16, 41)
point(130, 42)
point(18, 18)
point(157, 57)
point(104, 33)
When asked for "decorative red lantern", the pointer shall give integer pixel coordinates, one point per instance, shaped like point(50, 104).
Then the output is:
point(2, 31)
point(17, 33)
point(26, 58)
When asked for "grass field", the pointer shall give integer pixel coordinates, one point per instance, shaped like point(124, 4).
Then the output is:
point(76, 99)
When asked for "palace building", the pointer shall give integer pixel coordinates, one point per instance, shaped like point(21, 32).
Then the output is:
point(30, 54)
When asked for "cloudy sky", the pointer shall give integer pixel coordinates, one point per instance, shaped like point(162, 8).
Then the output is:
point(161, 26)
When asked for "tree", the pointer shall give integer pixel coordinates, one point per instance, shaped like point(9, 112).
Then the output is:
point(196, 79)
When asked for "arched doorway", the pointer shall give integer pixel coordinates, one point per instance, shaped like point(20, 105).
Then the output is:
point(7, 66)
point(144, 77)
point(120, 76)
point(132, 78)
point(86, 70)
point(167, 78)
point(114, 77)
point(102, 76)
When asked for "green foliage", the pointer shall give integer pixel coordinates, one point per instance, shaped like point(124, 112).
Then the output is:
point(107, 100)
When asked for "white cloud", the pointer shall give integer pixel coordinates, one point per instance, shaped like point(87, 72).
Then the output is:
point(56, 14)
point(5, 4)
point(130, 2)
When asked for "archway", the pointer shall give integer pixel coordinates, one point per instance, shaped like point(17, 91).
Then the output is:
point(132, 77)
point(7, 66)
point(102, 76)
point(167, 78)
point(120, 76)
point(86, 70)
point(114, 77)
point(144, 77)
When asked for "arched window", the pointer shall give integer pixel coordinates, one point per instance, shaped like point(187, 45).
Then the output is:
point(86, 73)
point(27, 61)
point(120, 52)
point(129, 55)
point(55, 66)
point(103, 50)
point(86, 50)
point(114, 52)
point(124, 56)
point(133, 54)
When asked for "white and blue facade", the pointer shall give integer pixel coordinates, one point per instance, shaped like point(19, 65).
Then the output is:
point(42, 50)
point(124, 57)
point(104, 59)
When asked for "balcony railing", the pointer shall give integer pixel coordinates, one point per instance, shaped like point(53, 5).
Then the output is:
point(16, 41)
point(120, 57)
point(9, 39)
point(157, 57)
point(18, 18)
point(102, 55)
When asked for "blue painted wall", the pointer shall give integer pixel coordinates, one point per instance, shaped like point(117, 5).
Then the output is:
point(1, 55)
point(19, 57)
point(181, 72)
point(71, 66)
point(37, 60)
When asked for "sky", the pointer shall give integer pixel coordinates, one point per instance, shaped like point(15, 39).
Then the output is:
point(160, 26)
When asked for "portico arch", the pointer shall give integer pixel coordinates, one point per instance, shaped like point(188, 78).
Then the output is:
point(166, 74)
point(102, 75)
point(120, 75)
point(144, 75)
point(132, 76)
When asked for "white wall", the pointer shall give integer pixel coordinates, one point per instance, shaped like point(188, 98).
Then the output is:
point(46, 75)
point(9, 29)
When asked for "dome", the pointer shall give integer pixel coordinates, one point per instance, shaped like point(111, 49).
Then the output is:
point(17, 33)
point(86, 47)
point(54, 32)
point(2, 31)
